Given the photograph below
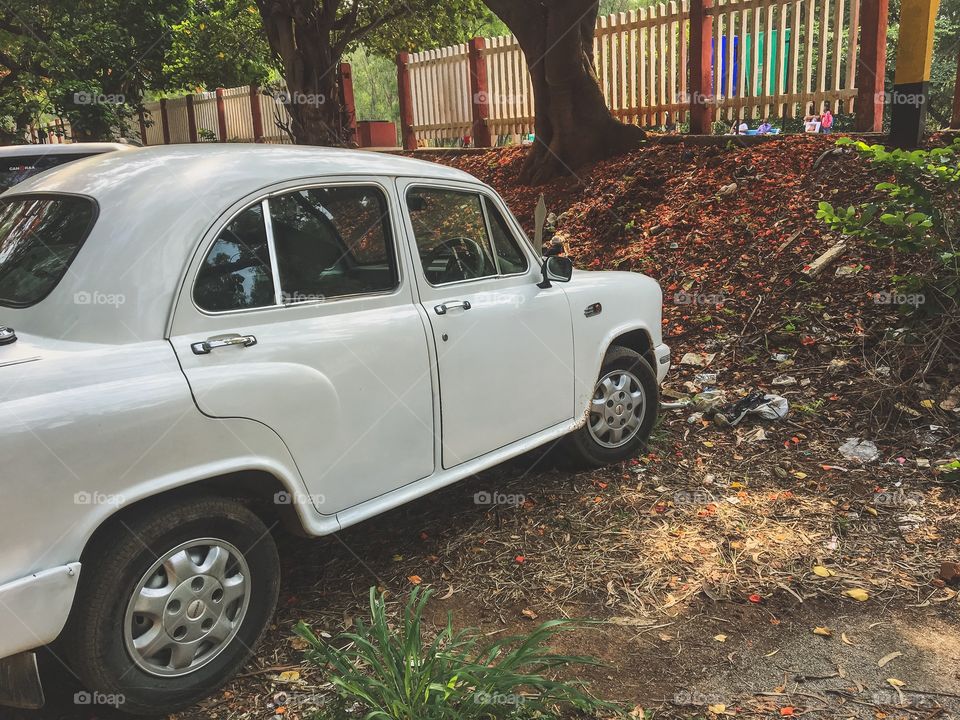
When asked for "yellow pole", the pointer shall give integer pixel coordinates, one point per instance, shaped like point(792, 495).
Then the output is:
point(911, 81)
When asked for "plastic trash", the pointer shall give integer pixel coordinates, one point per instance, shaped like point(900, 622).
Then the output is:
point(784, 380)
point(706, 379)
point(858, 450)
point(768, 407)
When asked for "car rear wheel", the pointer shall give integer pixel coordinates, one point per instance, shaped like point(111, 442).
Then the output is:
point(171, 603)
point(622, 412)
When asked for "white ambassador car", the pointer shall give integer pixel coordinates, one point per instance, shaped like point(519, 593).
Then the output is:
point(201, 341)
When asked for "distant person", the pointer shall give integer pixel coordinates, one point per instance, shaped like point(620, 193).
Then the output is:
point(765, 127)
point(826, 119)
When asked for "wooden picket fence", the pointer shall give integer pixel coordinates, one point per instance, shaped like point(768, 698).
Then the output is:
point(770, 58)
point(239, 114)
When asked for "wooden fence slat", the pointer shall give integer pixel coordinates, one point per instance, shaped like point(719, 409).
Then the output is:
point(837, 47)
point(644, 98)
point(853, 49)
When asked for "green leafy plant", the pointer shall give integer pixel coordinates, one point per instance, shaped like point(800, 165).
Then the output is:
point(917, 213)
point(396, 673)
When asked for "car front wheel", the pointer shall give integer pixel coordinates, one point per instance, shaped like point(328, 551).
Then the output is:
point(622, 412)
point(171, 603)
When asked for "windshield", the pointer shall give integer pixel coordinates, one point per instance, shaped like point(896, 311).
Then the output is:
point(15, 170)
point(39, 237)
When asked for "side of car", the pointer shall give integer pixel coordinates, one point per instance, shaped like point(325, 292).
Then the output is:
point(350, 342)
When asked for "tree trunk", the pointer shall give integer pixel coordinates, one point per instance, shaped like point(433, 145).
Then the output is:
point(573, 124)
point(302, 38)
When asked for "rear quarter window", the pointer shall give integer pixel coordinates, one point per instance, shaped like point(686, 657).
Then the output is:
point(40, 235)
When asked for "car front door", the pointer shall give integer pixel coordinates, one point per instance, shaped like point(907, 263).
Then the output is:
point(504, 346)
point(299, 313)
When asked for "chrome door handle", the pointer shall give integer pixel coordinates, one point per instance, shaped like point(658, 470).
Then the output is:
point(204, 347)
point(442, 309)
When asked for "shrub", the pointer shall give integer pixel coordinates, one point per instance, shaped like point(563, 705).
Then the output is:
point(396, 674)
point(917, 212)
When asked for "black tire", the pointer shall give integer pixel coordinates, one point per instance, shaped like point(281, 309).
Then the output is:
point(114, 565)
point(583, 448)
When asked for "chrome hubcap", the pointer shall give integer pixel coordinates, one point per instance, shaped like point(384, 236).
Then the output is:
point(617, 409)
point(187, 607)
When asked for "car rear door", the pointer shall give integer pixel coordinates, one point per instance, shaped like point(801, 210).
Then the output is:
point(504, 345)
point(299, 313)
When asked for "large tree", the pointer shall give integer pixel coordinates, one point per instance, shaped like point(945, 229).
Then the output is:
point(88, 61)
point(310, 37)
point(573, 124)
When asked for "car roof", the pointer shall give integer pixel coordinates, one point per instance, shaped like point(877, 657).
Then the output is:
point(222, 172)
point(156, 204)
point(61, 149)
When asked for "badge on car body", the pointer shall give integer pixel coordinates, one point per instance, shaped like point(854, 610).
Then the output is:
point(7, 335)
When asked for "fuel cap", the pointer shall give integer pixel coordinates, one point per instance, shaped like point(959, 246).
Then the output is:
point(7, 335)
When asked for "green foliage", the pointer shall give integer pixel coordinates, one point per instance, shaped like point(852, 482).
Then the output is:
point(918, 212)
point(87, 60)
point(397, 674)
point(219, 44)
point(419, 24)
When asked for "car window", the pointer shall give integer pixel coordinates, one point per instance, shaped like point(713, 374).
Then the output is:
point(236, 274)
point(332, 242)
point(509, 255)
point(39, 237)
point(451, 235)
point(15, 170)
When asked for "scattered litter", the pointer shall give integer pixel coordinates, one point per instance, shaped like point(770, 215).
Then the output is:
point(697, 359)
point(695, 418)
point(755, 435)
point(709, 400)
point(780, 357)
point(706, 379)
point(847, 270)
point(952, 402)
point(784, 380)
point(882, 371)
point(859, 450)
point(768, 407)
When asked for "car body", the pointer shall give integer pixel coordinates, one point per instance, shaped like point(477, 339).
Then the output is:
point(18, 162)
point(166, 347)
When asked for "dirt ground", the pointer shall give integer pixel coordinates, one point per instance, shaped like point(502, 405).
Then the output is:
point(750, 571)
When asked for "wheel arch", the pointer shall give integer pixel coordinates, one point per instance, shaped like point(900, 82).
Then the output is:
point(638, 340)
point(257, 489)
